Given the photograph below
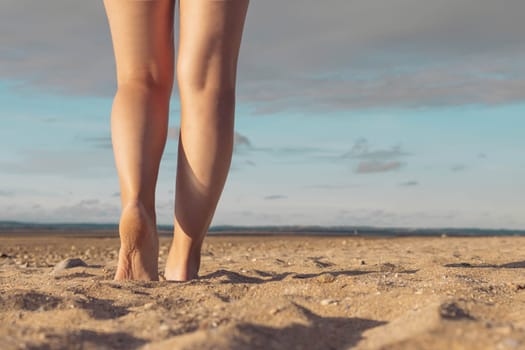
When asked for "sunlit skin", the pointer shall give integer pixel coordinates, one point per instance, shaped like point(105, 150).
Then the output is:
point(143, 42)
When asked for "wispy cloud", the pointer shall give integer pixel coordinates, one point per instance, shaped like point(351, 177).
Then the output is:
point(241, 140)
point(374, 160)
point(410, 183)
point(374, 166)
point(330, 186)
point(103, 142)
point(458, 167)
point(275, 196)
point(361, 150)
point(87, 210)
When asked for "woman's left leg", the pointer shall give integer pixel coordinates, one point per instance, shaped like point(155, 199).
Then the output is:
point(210, 38)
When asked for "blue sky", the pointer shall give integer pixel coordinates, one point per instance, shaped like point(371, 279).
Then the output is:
point(385, 113)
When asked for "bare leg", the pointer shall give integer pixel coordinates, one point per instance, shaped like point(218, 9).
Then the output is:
point(210, 37)
point(142, 33)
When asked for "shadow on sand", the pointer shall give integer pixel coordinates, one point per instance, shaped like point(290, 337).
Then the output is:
point(235, 277)
point(321, 333)
point(87, 339)
point(511, 265)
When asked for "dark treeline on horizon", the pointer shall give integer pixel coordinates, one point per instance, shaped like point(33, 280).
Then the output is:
point(7, 227)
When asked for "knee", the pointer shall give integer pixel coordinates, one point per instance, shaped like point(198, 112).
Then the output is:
point(146, 80)
point(206, 80)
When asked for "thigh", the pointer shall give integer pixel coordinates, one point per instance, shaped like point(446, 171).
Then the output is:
point(210, 37)
point(142, 34)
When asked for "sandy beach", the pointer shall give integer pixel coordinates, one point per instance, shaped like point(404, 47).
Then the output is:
point(270, 292)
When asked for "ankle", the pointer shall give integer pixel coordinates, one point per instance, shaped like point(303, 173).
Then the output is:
point(140, 209)
point(137, 225)
point(183, 260)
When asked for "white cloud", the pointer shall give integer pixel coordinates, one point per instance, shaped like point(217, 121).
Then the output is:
point(314, 55)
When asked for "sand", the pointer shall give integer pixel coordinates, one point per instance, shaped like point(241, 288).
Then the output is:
point(271, 292)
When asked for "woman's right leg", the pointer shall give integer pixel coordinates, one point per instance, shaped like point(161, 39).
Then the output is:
point(142, 33)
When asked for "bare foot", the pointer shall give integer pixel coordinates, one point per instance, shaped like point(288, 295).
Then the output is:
point(183, 261)
point(139, 246)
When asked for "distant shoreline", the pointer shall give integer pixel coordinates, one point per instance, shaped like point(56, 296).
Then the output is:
point(10, 228)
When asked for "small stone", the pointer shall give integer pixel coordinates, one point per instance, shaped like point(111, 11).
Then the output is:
point(363, 262)
point(81, 298)
point(148, 306)
point(164, 327)
point(453, 311)
point(388, 267)
point(275, 311)
point(326, 278)
point(68, 264)
point(325, 302)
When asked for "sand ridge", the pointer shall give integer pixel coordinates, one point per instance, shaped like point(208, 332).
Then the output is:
point(275, 292)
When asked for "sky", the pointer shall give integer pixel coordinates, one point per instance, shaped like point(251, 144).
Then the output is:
point(390, 113)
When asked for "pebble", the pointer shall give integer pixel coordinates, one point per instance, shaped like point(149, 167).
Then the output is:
point(452, 311)
point(148, 306)
point(326, 278)
point(276, 310)
point(68, 264)
point(325, 302)
point(388, 267)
